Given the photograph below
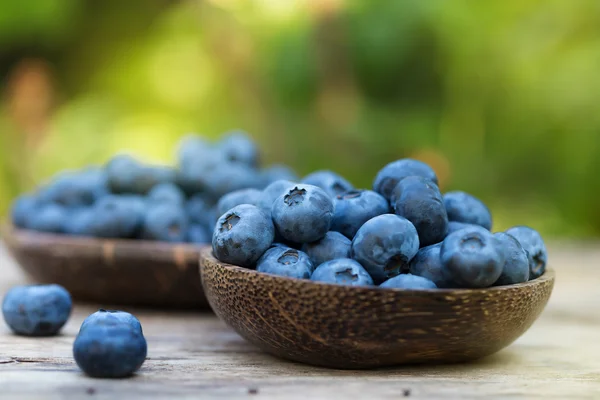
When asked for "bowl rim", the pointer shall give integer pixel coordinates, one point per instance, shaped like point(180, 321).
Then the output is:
point(207, 254)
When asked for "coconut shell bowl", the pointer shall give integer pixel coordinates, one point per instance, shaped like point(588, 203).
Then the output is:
point(111, 271)
point(367, 327)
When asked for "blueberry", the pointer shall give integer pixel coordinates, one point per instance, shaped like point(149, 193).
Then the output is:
point(462, 207)
point(303, 214)
point(333, 245)
point(109, 351)
point(242, 235)
point(242, 196)
point(516, 263)
point(200, 211)
point(428, 264)
point(408, 281)
point(229, 177)
point(332, 183)
point(116, 216)
point(272, 192)
point(238, 147)
point(111, 318)
point(194, 174)
point(454, 226)
point(23, 209)
point(127, 175)
point(48, 218)
point(79, 222)
point(166, 222)
point(534, 245)
point(166, 193)
point(473, 257)
point(198, 234)
point(36, 310)
point(150, 176)
point(75, 189)
point(384, 245)
point(342, 271)
point(389, 176)
point(354, 208)
point(192, 147)
point(419, 200)
point(277, 172)
point(285, 261)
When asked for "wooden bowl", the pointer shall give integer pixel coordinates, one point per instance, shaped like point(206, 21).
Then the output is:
point(366, 327)
point(107, 271)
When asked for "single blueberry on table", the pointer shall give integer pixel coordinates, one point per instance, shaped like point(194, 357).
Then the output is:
point(36, 310)
point(284, 261)
point(166, 193)
point(109, 351)
point(22, 210)
point(332, 183)
point(463, 207)
point(516, 263)
point(342, 271)
point(111, 318)
point(117, 216)
point(333, 245)
point(419, 200)
point(384, 245)
point(303, 213)
point(277, 172)
point(473, 257)
point(242, 196)
point(166, 222)
point(198, 234)
point(272, 192)
point(242, 235)
point(352, 209)
point(454, 226)
point(534, 245)
point(238, 147)
point(428, 264)
point(408, 281)
point(50, 218)
point(389, 176)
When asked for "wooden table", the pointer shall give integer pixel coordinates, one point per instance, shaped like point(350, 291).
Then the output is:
point(196, 356)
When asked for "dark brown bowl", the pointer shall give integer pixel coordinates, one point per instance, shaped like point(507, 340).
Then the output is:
point(107, 271)
point(366, 327)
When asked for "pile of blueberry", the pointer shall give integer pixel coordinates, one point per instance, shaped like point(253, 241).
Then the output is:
point(110, 344)
point(129, 199)
point(402, 234)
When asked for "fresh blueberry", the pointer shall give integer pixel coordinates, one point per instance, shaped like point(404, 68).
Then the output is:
point(242, 196)
point(242, 235)
point(342, 271)
point(516, 263)
point(109, 351)
point(200, 210)
point(151, 176)
point(166, 222)
point(75, 189)
point(428, 264)
point(333, 245)
point(384, 245)
point(116, 216)
point(166, 193)
point(303, 214)
point(462, 207)
point(23, 208)
point(238, 147)
point(277, 172)
point(272, 192)
point(534, 245)
point(111, 318)
point(354, 208)
point(198, 234)
point(79, 222)
point(454, 226)
point(48, 218)
point(473, 257)
point(408, 281)
point(193, 174)
point(192, 147)
point(284, 261)
point(36, 310)
point(229, 177)
point(389, 176)
point(127, 175)
point(419, 200)
point(332, 183)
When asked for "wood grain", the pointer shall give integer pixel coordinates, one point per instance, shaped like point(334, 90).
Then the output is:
point(194, 355)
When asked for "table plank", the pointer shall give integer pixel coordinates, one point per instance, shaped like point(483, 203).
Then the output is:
point(193, 355)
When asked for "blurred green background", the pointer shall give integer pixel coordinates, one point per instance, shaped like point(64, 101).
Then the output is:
point(499, 97)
